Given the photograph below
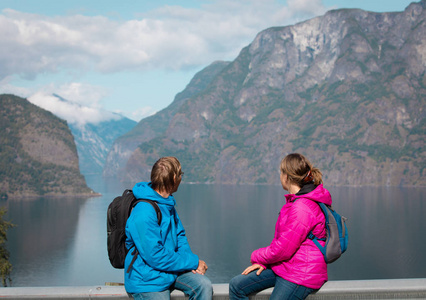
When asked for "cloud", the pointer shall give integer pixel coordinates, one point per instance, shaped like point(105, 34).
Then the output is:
point(170, 37)
point(143, 112)
point(71, 111)
point(7, 88)
point(80, 93)
point(305, 8)
point(138, 114)
point(83, 104)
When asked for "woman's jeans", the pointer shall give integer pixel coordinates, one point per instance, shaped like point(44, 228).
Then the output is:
point(242, 286)
point(196, 286)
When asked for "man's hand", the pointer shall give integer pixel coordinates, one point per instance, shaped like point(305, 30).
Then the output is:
point(253, 267)
point(202, 267)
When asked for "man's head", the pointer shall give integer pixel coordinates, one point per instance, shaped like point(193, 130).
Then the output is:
point(166, 174)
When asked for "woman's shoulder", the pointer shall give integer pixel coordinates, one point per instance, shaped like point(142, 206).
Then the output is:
point(305, 206)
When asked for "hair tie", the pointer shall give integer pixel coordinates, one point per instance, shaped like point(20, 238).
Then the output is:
point(308, 177)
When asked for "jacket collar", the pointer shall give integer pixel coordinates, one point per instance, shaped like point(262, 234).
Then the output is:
point(311, 192)
point(307, 188)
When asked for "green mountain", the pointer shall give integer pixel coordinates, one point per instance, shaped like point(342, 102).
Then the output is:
point(38, 155)
point(347, 89)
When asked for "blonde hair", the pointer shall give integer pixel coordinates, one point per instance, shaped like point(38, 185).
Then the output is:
point(299, 170)
point(164, 173)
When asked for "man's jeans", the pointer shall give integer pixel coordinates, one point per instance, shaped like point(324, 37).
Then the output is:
point(196, 286)
point(242, 286)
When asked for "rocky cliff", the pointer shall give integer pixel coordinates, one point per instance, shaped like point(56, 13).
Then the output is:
point(94, 129)
point(94, 141)
point(38, 155)
point(347, 89)
point(154, 126)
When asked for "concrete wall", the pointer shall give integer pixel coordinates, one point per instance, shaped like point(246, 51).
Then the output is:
point(363, 289)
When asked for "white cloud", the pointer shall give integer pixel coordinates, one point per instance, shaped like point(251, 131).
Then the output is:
point(64, 48)
point(143, 112)
point(7, 88)
point(84, 102)
point(170, 37)
point(138, 113)
point(81, 93)
point(306, 8)
point(72, 112)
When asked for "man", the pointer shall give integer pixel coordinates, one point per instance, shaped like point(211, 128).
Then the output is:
point(165, 260)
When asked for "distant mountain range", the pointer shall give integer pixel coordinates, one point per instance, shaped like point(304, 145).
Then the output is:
point(38, 156)
point(347, 89)
point(94, 140)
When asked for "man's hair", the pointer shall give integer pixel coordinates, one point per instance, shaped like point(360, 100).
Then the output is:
point(299, 170)
point(164, 173)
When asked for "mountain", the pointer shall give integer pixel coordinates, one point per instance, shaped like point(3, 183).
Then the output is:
point(94, 141)
point(38, 155)
point(346, 89)
point(94, 130)
point(157, 124)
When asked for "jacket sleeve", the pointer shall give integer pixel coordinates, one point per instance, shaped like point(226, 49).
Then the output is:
point(183, 245)
point(146, 235)
point(291, 231)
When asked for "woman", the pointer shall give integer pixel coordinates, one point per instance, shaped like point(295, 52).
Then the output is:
point(165, 260)
point(292, 264)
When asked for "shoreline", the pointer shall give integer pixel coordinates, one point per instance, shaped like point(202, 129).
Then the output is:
point(63, 196)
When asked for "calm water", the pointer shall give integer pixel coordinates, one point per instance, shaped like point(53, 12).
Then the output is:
point(62, 242)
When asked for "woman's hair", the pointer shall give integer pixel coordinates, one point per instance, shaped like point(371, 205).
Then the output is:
point(164, 173)
point(299, 170)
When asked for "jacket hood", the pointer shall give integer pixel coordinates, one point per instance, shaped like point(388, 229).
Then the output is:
point(143, 190)
point(309, 191)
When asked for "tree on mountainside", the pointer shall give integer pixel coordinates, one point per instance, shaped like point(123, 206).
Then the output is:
point(5, 265)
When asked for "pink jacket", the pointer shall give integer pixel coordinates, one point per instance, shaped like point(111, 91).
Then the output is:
point(291, 255)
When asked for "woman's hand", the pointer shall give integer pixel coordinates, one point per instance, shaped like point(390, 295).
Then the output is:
point(202, 268)
point(253, 267)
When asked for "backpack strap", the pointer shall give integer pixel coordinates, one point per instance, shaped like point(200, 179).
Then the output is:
point(311, 235)
point(323, 249)
point(135, 254)
point(154, 204)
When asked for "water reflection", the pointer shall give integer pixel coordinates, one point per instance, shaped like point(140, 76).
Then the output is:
point(385, 226)
point(44, 232)
point(62, 242)
point(225, 224)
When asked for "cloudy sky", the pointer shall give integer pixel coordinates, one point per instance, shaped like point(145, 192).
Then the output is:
point(133, 56)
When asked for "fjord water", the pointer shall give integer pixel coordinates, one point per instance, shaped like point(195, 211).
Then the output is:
point(62, 242)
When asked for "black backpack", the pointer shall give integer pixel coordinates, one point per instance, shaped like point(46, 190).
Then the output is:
point(118, 212)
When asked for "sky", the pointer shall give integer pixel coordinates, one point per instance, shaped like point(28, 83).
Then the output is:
point(133, 56)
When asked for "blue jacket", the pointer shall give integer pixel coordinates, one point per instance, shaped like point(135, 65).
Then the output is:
point(164, 251)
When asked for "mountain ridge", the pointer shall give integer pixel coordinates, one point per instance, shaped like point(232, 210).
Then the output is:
point(152, 126)
point(347, 89)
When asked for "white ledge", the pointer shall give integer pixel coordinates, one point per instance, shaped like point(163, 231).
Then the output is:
point(350, 289)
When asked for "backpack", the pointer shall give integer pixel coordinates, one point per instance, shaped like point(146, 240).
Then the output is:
point(118, 212)
point(336, 241)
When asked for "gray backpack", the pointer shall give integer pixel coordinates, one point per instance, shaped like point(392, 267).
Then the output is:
point(336, 241)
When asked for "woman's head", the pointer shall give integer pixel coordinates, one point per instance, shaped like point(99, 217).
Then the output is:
point(299, 170)
point(166, 174)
